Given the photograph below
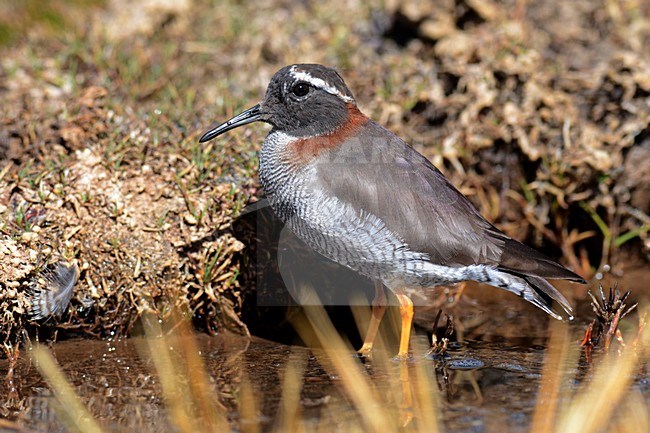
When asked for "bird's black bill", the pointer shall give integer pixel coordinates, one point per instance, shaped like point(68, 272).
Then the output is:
point(248, 116)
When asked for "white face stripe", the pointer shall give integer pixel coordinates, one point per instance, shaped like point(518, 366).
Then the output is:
point(318, 83)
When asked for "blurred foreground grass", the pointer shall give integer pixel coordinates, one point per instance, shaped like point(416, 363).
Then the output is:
point(601, 399)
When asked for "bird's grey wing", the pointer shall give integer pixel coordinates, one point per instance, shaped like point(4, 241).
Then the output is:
point(378, 173)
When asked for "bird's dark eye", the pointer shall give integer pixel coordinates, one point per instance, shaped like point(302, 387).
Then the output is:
point(300, 89)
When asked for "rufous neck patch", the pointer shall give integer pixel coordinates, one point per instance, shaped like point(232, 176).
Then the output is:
point(305, 150)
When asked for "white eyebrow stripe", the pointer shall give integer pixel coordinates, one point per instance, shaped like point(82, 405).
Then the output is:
point(319, 83)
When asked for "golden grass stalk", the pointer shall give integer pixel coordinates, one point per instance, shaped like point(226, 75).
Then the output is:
point(339, 360)
point(634, 415)
point(192, 405)
point(554, 373)
point(426, 395)
point(290, 412)
point(174, 389)
point(418, 394)
point(248, 407)
point(73, 413)
point(596, 404)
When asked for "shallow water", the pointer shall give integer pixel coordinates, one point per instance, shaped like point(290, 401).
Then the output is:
point(482, 386)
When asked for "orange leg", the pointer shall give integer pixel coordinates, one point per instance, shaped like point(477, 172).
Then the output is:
point(378, 310)
point(406, 408)
point(406, 310)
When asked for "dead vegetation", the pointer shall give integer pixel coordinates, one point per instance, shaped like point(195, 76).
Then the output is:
point(609, 311)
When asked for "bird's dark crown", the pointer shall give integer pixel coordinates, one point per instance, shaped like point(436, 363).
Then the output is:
point(306, 100)
point(303, 101)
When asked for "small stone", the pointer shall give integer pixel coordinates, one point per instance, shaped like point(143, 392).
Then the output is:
point(190, 219)
point(29, 236)
point(465, 364)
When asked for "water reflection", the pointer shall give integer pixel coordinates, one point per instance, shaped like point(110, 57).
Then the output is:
point(486, 384)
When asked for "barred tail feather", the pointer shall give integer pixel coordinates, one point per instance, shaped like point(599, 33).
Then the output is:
point(549, 293)
point(535, 290)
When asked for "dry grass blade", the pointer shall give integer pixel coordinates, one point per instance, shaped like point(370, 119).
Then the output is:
point(290, 404)
point(172, 386)
point(73, 413)
point(635, 414)
point(339, 357)
point(208, 408)
point(553, 375)
point(425, 392)
point(192, 406)
point(248, 416)
point(593, 407)
point(418, 394)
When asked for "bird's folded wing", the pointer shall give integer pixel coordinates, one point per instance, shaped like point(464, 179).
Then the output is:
point(378, 173)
